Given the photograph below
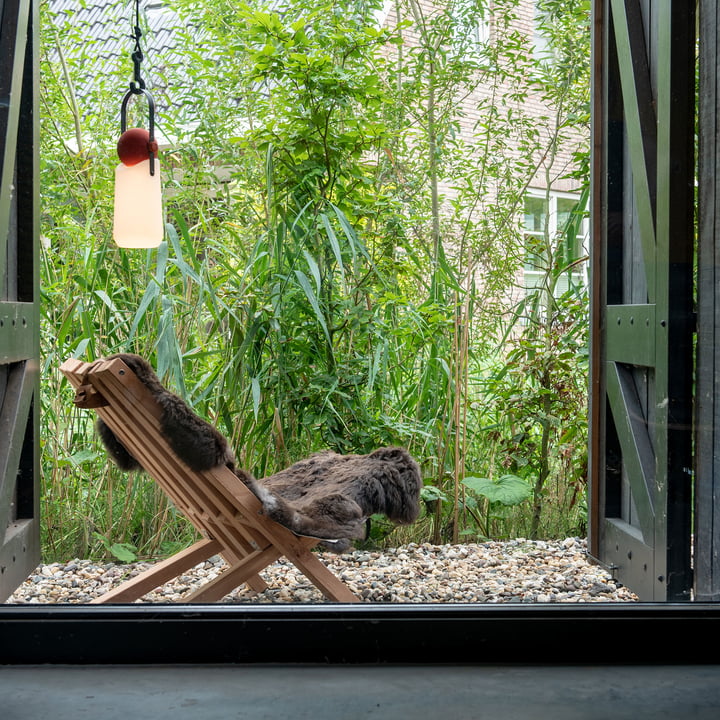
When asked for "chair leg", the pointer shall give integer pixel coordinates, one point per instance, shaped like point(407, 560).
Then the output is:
point(234, 576)
point(331, 586)
point(161, 573)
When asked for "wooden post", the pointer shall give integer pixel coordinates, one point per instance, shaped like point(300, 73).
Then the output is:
point(707, 420)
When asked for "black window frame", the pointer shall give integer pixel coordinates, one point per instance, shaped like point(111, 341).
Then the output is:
point(592, 633)
point(564, 634)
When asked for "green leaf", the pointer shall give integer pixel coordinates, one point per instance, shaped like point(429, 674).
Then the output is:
point(161, 262)
point(107, 300)
point(255, 385)
point(153, 290)
point(350, 233)
point(124, 552)
point(80, 458)
point(307, 289)
point(429, 493)
point(68, 322)
point(334, 244)
point(314, 269)
point(508, 489)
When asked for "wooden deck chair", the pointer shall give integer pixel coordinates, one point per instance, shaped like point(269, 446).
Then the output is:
point(225, 512)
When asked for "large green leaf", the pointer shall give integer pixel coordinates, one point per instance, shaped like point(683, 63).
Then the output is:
point(507, 489)
point(307, 289)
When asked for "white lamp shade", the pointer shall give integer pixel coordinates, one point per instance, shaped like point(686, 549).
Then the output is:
point(138, 206)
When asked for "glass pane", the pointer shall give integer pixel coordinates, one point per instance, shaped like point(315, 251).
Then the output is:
point(542, 50)
point(565, 207)
point(535, 214)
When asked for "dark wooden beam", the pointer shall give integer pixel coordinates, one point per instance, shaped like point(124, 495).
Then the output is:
point(707, 421)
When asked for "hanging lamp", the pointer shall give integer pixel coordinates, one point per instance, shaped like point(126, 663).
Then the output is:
point(138, 216)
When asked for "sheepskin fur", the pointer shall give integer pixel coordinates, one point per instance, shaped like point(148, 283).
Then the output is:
point(197, 443)
point(331, 496)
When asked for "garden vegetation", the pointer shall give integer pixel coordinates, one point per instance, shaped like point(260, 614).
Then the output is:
point(344, 208)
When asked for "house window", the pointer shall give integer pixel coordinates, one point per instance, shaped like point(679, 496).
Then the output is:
point(481, 32)
point(542, 47)
point(555, 241)
point(382, 12)
point(472, 25)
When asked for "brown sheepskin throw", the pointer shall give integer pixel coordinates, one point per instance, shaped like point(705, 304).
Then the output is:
point(197, 443)
point(331, 496)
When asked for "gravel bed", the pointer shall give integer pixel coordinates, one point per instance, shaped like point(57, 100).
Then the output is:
point(493, 572)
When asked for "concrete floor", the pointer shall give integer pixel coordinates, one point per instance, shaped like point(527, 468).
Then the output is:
point(350, 692)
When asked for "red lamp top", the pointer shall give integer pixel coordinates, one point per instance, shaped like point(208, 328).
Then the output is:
point(134, 146)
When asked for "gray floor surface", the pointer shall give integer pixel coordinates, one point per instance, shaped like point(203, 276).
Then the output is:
point(349, 692)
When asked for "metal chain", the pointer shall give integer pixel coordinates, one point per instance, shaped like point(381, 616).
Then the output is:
point(138, 84)
point(137, 87)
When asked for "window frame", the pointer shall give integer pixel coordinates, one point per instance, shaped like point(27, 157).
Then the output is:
point(559, 633)
point(650, 633)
